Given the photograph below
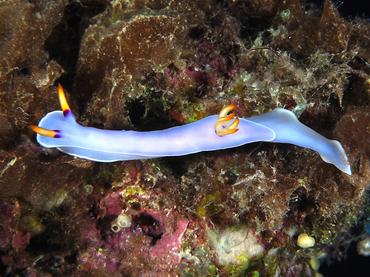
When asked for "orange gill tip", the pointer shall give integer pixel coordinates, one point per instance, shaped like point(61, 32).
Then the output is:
point(45, 132)
point(225, 131)
point(227, 111)
point(234, 125)
point(63, 101)
point(229, 132)
point(224, 119)
point(222, 130)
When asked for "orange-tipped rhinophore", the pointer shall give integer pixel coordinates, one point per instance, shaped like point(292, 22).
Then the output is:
point(63, 100)
point(45, 132)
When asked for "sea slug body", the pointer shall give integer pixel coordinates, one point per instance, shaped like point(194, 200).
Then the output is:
point(59, 129)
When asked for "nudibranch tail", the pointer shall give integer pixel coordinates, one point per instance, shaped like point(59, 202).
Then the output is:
point(289, 129)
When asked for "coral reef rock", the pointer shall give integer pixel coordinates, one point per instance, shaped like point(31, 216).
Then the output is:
point(153, 64)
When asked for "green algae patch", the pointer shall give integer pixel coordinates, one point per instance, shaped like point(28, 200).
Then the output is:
point(210, 205)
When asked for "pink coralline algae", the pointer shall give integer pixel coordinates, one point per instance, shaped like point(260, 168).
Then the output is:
point(21, 240)
point(111, 205)
point(168, 246)
point(154, 238)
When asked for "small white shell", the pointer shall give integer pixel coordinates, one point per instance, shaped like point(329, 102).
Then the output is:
point(305, 241)
point(124, 221)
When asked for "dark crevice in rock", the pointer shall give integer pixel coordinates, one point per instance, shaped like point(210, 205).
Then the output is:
point(157, 5)
point(50, 263)
point(251, 27)
point(63, 44)
point(148, 116)
point(300, 201)
point(136, 111)
point(343, 254)
point(356, 94)
point(24, 71)
point(177, 165)
point(313, 5)
point(149, 225)
point(351, 9)
point(2, 265)
point(196, 32)
point(54, 238)
point(346, 266)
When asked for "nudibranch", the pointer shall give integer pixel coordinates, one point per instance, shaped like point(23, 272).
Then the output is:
point(59, 129)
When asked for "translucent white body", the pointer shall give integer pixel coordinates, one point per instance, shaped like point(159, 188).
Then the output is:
point(280, 126)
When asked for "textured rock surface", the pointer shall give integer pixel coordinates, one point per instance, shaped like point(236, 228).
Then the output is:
point(152, 64)
point(130, 47)
point(25, 72)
